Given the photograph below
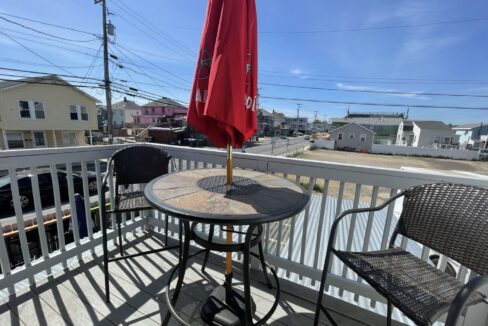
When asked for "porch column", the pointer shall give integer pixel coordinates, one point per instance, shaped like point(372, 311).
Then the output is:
point(5, 142)
point(54, 138)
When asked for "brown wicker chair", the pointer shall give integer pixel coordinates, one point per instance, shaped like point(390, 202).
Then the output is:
point(448, 218)
point(133, 165)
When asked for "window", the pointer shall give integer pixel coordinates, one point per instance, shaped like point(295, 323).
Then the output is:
point(14, 139)
point(339, 137)
point(69, 138)
point(73, 112)
point(78, 112)
point(351, 136)
point(39, 139)
point(84, 113)
point(39, 110)
point(362, 138)
point(31, 110)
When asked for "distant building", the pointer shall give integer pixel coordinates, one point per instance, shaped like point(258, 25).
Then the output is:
point(418, 133)
point(44, 111)
point(298, 124)
point(470, 134)
point(280, 126)
point(385, 125)
point(353, 136)
point(165, 113)
point(123, 113)
point(265, 123)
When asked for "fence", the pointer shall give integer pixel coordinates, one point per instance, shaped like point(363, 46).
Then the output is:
point(432, 152)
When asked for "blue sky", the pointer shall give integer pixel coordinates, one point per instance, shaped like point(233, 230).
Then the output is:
point(406, 46)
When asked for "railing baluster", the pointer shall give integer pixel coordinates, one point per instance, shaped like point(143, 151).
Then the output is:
point(320, 234)
point(5, 260)
point(86, 198)
point(388, 222)
point(20, 220)
point(180, 164)
point(278, 241)
point(337, 212)
point(352, 228)
point(292, 232)
point(59, 212)
point(36, 194)
point(463, 271)
point(100, 192)
point(367, 232)
point(311, 184)
point(71, 194)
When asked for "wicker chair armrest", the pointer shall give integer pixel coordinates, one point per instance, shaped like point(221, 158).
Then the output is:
point(333, 229)
point(462, 297)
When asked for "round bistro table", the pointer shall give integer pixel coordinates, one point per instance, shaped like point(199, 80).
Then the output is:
point(202, 196)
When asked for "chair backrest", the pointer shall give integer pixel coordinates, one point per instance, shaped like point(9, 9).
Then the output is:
point(139, 164)
point(451, 219)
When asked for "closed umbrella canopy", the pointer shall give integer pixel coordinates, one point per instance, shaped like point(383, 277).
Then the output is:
point(223, 101)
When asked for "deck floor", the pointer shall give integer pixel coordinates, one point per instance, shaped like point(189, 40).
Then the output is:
point(76, 295)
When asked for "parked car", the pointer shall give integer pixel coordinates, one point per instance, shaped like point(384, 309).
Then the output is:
point(307, 137)
point(45, 187)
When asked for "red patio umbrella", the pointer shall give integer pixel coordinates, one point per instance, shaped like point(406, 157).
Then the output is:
point(223, 100)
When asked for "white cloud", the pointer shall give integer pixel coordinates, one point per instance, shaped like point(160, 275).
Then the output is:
point(415, 95)
point(296, 71)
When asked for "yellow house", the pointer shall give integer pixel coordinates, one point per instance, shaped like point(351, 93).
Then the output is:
point(44, 111)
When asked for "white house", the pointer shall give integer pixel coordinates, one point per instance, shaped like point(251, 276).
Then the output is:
point(123, 113)
point(470, 134)
point(353, 136)
point(424, 133)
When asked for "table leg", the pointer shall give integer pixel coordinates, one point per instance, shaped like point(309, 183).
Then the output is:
point(181, 269)
point(247, 282)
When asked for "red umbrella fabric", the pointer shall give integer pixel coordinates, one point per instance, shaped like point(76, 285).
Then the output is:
point(223, 101)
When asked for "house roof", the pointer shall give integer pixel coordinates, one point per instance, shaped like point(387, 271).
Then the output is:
point(355, 124)
point(431, 124)
point(164, 101)
point(469, 126)
point(127, 105)
point(46, 79)
point(382, 121)
point(265, 113)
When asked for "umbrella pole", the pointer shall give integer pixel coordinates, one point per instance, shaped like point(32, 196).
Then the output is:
point(228, 262)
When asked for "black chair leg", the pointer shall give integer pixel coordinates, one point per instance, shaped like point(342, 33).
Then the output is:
point(180, 239)
point(263, 264)
point(388, 314)
point(210, 238)
point(121, 247)
point(319, 307)
point(166, 230)
point(105, 257)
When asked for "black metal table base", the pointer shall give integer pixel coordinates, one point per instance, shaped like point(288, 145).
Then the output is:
point(223, 307)
point(218, 310)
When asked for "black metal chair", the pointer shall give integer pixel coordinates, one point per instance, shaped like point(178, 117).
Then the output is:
point(134, 165)
point(448, 218)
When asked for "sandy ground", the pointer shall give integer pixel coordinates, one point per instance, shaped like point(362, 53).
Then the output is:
point(387, 161)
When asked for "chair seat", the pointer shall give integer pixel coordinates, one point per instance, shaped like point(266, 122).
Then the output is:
point(421, 291)
point(131, 201)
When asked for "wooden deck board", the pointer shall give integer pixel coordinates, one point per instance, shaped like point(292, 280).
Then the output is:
point(76, 296)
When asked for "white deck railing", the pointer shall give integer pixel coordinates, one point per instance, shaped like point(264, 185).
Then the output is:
point(296, 246)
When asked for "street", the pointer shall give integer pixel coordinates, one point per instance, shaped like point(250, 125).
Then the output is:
point(280, 146)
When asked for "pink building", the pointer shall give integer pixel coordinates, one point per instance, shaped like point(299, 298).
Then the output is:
point(165, 112)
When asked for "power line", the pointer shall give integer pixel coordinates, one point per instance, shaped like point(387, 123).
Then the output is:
point(306, 75)
point(50, 24)
point(133, 13)
point(44, 33)
point(362, 29)
point(38, 64)
point(35, 53)
point(374, 91)
point(416, 106)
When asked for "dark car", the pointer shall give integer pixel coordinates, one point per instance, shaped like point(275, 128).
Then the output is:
point(45, 187)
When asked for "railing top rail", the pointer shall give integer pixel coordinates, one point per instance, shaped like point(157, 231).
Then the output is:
point(367, 175)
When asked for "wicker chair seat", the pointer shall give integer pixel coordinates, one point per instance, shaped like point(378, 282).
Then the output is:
point(131, 201)
point(421, 291)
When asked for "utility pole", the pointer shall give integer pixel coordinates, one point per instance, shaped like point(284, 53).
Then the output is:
point(298, 115)
point(108, 91)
